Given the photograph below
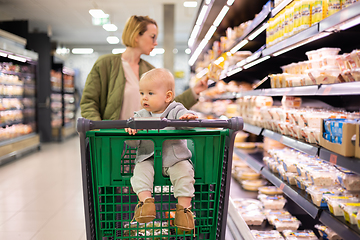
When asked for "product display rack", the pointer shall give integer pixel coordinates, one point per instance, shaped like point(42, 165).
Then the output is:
point(339, 30)
point(63, 101)
point(18, 122)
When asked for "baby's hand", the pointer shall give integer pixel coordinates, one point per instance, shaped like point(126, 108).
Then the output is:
point(188, 116)
point(131, 131)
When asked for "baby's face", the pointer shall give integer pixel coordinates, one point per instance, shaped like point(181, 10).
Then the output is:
point(153, 96)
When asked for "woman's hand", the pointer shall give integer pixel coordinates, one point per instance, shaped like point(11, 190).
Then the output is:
point(131, 131)
point(188, 116)
point(201, 85)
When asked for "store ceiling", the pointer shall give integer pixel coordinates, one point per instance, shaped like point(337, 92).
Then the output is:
point(70, 23)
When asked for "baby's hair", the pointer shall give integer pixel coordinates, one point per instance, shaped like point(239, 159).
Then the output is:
point(162, 74)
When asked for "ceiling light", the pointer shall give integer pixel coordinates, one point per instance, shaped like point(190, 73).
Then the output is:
point(188, 51)
point(256, 62)
point(197, 51)
point(238, 46)
point(3, 54)
point(191, 42)
point(118, 50)
point(190, 4)
point(112, 39)
point(221, 15)
point(202, 15)
point(110, 27)
point(195, 31)
point(97, 13)
point(257, 32)
point(157, 51)
point(207, 1)
point(175, 51)
point(202, 73)
point(62, 50)
point(236, 70)
point(82, 50)
point(230, 2)
point(17, 58)
point(210, 32)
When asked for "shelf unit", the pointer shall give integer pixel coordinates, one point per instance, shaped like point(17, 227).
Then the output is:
point(339, 30)
point(18, 122)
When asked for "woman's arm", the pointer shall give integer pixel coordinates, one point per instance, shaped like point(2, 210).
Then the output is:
point(90, 100)
point(190, 96)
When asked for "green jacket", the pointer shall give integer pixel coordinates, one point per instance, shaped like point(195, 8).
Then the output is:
point(103, 93)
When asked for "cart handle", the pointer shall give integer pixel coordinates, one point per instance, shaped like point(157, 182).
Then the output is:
point(84, 125)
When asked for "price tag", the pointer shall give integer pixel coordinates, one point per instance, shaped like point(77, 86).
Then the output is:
point(282, 185)
point(333, 158)
point(281, 140)
point(327, 90)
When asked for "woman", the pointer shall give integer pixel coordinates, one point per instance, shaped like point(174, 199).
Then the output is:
point(112, 87)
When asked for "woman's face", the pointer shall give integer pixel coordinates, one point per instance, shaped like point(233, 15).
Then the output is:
point(148, 40)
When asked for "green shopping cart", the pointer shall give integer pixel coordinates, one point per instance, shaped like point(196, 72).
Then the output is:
point(107, 165)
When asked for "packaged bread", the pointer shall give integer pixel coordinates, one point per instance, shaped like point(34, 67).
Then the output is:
point(270, 190)
point(214, 72)
point(325, 231)
point(266, 235)
point(253, 185)
point(299, 235)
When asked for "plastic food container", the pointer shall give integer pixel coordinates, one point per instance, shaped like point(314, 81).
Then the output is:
point(322, 177)
point(299, 235)
point(272, 202)
point(328, 51)
point(265, 235)
point(254, 217)
point(327, 233)
point(249, 175)
point(247, 204)
point(270, 190)
point(334, 202)
point(318, 192)
point(350, 211)
point(271, 215)
point(358, 220)
point(290, 223)
point(349, 180)
point(253, 185)
point(290, 176)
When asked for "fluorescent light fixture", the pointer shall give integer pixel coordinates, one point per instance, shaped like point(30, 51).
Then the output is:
point(197, 52)
point(207, 1)
point(62, 50)
point(320, 35)
point(195, 31)
point(112, 39)
point(190, 4)
point(17, 58)
point(219, 60)
point(157, 51)
point(228, 54)
point(258, 31)
point(97, 13)
point(110, 27)
point(188, 51)
point(236, 70)
point(202, 73)
point(82, 50)
point(221, 16)
point(239, 45)
point(202, 15)
point(191, 42)
point(210, 32)
point(256, 62)
point(118, 50)
point(351, 23)
point(230, 2)
point(3, 54)
point(241, 63)
point(252, 57)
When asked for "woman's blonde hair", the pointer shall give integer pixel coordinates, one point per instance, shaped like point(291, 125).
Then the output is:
point(135, 25)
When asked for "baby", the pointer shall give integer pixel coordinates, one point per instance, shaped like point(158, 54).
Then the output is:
point(157, 99)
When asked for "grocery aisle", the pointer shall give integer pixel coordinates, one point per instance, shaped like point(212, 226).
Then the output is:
point(41, 195)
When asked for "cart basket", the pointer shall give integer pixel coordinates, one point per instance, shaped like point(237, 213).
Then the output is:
point(107, 164)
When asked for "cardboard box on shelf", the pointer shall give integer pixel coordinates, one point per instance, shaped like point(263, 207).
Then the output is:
point(346, 147)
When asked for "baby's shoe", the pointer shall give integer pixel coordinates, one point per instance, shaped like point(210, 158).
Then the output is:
point(145, 211)
point(184, 218)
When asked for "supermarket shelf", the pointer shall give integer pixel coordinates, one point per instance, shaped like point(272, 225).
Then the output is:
point(308, 148)
point(252, 129)
point(340, 17)
point(344, 229)
point(348, 88)
point(17, 139)
point(10, 123)
point(241, 225)
point(250, 160)
point(290, 91)
point(352, 164)
point(291, 41)
point(280, 7)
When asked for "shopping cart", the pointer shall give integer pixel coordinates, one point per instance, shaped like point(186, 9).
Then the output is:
point(107, 165)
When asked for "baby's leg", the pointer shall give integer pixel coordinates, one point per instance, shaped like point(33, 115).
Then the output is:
point(182, 178)
point(143, 179)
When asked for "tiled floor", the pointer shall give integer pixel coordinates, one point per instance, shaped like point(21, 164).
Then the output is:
point(41, 195)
